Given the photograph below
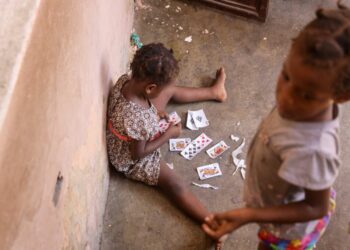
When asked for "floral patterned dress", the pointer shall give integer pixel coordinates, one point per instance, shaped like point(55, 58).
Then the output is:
point(131, 121)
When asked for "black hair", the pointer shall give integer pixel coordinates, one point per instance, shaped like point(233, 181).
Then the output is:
point(156, 63)
point(325, 43)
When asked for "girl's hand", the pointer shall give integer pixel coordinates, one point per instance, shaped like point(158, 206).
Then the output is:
point(163, 115)
point(174, 131)
point(218, 225)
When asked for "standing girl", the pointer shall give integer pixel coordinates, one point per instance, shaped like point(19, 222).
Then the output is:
point(293, 160)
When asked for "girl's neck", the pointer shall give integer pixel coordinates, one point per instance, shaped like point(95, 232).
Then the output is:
point(324, 115)
point(134, 91)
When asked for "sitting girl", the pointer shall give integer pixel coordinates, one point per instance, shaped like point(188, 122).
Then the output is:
point(135, 104)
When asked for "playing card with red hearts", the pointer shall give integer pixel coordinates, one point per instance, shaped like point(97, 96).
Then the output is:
point(164, 124)
point(217, 149)
point(196, 146)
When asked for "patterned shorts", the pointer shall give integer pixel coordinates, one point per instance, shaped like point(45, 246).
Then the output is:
point(308, 242)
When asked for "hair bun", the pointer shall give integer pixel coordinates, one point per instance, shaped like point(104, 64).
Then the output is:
point(320, 14)
point(344, 40)
point(328, 49)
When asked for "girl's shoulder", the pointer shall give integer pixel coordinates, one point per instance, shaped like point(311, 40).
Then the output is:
point(115, 93)
point(120, 82)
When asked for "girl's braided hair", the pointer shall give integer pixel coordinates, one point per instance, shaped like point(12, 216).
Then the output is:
point(155, 63)
point(325, 43)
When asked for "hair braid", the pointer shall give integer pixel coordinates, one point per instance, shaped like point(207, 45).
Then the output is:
point(325, 43)
point(155, 63)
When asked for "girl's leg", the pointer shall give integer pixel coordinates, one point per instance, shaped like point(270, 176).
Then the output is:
point(216, 92)
point(180, 195)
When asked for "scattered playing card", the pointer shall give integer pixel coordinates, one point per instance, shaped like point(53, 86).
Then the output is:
point(209, 171)
point(196, 146)
point(199, 118)
point(190, 122)
point(164, 124)
point(217, 149)
point(179, 144)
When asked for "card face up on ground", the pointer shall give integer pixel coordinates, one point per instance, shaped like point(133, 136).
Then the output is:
point(209, 171)
point(178, 144)
point(217, 149)
point(196, 120)
point(196, 146)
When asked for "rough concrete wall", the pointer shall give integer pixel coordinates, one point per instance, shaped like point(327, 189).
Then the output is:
point(16, 21)
point(55, 124)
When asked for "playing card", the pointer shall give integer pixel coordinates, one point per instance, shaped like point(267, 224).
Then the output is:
point(164, 125)
point(217, 149)
point(179, 144)
point(196, 146)
point(199, 118)
point(174, 117)
point(190, 122)
point(209, 171)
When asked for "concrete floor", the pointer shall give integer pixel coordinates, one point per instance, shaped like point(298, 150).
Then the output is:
point(139, 217)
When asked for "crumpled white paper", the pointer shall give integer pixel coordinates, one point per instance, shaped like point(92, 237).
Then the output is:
point(205, 185)
point(239, 163)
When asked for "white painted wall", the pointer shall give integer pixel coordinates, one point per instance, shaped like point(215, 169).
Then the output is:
point(54, 123)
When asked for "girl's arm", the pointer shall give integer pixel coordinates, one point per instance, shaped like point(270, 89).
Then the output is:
point(140, 149)
point(314, 206)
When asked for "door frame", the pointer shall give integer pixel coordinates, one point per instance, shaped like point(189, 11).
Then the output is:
point(258, 12)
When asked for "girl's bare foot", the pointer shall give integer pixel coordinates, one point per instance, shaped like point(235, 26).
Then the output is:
point(218, 87)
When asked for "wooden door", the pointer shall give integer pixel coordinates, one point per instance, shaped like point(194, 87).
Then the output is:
point(256, 9)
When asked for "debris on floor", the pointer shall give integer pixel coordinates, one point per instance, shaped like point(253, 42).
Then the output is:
point(188, 39)
point(209, 171)
point(139, 4)
point(170, 165)
point(205, 31)
point(239, 163)
point(234, 138)
point(217, 149)
point(204, 185)
point(135, 40)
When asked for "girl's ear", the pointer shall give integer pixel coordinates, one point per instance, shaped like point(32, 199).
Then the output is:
point(150, 88)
